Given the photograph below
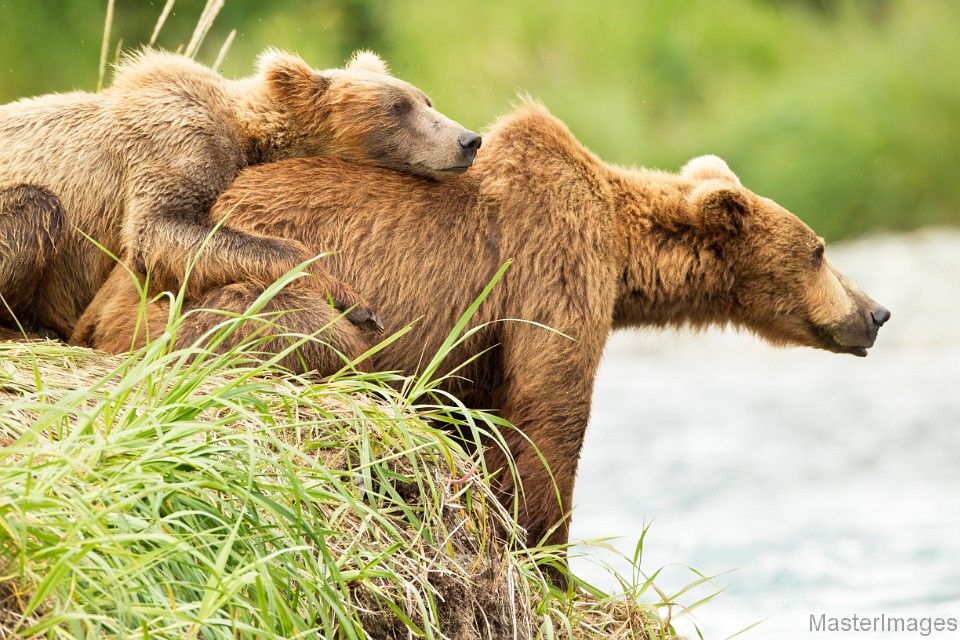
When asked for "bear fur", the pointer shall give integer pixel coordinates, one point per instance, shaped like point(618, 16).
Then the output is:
point(594, 248)
point(137, 166)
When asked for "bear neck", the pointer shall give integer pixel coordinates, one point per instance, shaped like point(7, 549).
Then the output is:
point(672, 274)
point(263, 123)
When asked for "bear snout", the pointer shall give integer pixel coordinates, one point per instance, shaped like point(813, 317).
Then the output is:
point(876, 318)
point(879, 316)
point(468, 142)
point(858, 332)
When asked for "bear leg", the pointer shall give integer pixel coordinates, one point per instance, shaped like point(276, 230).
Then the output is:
point(119, 320)
point(296, 310)
point(31, 223)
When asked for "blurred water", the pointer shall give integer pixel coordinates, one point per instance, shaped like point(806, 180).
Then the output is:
point(829, 483)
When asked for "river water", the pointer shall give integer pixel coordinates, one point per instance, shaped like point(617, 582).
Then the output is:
point(821, 483)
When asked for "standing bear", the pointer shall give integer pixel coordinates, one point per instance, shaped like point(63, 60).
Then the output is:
point(137, 166)
point(593, 247)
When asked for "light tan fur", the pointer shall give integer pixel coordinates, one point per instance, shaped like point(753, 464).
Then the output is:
point(594, 248)
point(137, 167)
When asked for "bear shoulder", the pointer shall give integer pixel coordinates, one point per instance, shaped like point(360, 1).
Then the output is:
point(531, 130)
point(165, 105)
point(529, 118)
point(149, 71)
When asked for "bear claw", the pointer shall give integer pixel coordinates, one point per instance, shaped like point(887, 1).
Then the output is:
point(365, 318)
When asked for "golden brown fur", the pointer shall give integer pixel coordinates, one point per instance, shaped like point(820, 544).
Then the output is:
point(594, 248)
point(137, 167)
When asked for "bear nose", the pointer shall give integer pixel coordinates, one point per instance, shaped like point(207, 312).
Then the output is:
point(469, 142)
point(879, 315)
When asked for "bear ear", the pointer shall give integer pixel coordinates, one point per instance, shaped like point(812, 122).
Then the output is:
point(367, 61)
point(707, 168)
point(288, 77)
point(718, 206)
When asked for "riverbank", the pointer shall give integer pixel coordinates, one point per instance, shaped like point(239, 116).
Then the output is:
point(213, 498)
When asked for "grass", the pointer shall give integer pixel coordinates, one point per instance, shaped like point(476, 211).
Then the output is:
point(144, 500)
point(189, 494)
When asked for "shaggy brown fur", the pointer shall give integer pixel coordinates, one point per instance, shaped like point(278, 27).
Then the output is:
point(138, 166)
point(594, 248)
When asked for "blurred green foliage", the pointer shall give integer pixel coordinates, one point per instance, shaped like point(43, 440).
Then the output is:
point(846, 112)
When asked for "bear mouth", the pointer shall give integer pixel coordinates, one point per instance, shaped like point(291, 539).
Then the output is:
point(860, 352)
point(829, 341)
point(424, 169)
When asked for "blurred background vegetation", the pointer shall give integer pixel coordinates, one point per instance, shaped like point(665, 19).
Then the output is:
point(846, 112)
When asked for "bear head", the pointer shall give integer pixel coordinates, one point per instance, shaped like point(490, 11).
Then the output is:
point(780, 283)
point(363, 114)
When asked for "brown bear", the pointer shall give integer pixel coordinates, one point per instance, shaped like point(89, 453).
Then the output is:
point(137, 167)
point(593, 247)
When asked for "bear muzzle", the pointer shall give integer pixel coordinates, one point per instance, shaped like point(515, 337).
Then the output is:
point(468, 143)
point(857, 332)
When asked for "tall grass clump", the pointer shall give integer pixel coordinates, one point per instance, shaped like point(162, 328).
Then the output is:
point(193, 494)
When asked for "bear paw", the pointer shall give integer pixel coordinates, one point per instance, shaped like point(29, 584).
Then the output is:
point(365, 318)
